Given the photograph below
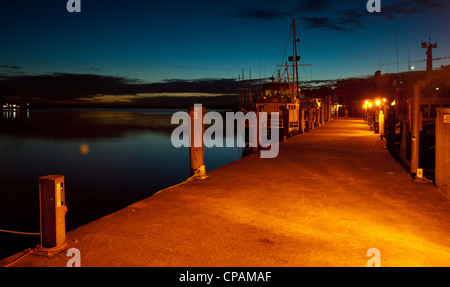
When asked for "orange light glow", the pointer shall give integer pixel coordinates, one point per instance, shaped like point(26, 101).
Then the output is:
point(84, 149)
point(378, 102)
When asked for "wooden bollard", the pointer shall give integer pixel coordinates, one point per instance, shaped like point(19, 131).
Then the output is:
point(302, 120)
point(381, 124)
point(442, 177)
point(415, 129)
point(196, 150)
point(254, 145)
point(285, 124)
point(310, 119)
point(328, 107)
point(322, 112)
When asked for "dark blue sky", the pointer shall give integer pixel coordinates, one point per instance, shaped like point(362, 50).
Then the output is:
point(155, 40)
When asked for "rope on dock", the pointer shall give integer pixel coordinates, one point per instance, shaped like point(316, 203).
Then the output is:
point(199, 174)
point(28, 252)
point(19, 232)
point(40, 250)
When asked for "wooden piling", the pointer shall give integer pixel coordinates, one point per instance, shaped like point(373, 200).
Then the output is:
point(415, 132)
point(310, 119)
point(403, 131)
point(285, 124)
point(322, 112)
point(196, 150)
point(328, 107)
point(254, 146)
point(302, 120)
point(381, 124)
point(442, 167)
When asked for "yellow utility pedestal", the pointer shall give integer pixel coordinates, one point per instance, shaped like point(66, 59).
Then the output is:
point(52, 210)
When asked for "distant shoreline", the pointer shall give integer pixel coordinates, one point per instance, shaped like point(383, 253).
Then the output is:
point(216, 102)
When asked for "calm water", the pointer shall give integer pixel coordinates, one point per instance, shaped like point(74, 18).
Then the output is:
point(110, 159)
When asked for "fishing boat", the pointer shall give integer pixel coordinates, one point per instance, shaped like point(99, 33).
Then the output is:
point(282, 94)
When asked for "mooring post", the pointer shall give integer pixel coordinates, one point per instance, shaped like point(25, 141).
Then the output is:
point(415, 129)
point(310, 119)
point(381, 124)
point(255, 147)
point(196, 150)
point(322, 111)
point(285, 124)
point(302, 120)
point(328, 107)
point(442, 167)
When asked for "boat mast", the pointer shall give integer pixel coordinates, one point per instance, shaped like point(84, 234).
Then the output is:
point(295, 62)
point(250, 92)
point(243, 89)
point(293, 57)
point(289, 80)
point(239, 90)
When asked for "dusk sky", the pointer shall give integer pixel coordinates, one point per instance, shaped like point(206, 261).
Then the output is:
point(155, 40)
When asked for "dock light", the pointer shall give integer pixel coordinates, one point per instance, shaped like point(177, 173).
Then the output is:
point(377, 102)
point(365, 106)
point(393, 103)
point(370, 105)
point(384, 100)
point(437, 89)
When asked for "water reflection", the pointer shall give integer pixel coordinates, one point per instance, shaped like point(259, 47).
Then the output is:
point(9, 114)
point(72, 124)
point(110, 159)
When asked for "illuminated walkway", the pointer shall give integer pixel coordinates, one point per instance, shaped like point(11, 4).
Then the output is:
point(328, 197)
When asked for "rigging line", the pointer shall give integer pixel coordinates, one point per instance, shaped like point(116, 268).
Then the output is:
point(304, 46)
point(19, 232)
point(415, 61)
point(286, 45)
point(307, 54)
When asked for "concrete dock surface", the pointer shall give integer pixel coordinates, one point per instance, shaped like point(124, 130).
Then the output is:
point(326, 199)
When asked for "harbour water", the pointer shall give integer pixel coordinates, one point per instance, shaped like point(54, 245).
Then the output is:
point(110, 159)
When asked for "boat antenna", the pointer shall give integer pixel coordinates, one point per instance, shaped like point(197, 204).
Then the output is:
point(396, 46)
point(260, 82)
point(250, 83)
point(295, 59)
